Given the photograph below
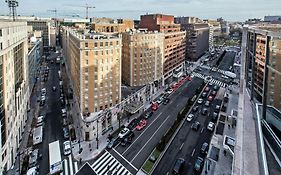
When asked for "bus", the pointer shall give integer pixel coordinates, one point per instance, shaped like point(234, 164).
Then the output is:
point(55, 158)
point(37, 135)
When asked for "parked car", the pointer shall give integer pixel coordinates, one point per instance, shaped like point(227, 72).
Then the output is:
point(189, 117)
point(217, 108)
point(131, 135)
point(133, 123)
point(141, 124)
point(170, 91)
point(204, 148)
point(166, 101)
point(204, 111)
point(200, 101)
point(148, 115)
point(204, 94)
point(210, 98)
point(211, 126)
point(207, 103)
point(54, 88)
point(206, 89)
point(195, 126)
point(178, 166)
point(65, 133)
point(214, 116)
point(125, 141)
point(199, 162)
point(66, 148)
point(123, 133)
point(195, 108)
point(214, 93)
point(40, 120)
point(64, 122)
point(216, 88)
point(112, 143)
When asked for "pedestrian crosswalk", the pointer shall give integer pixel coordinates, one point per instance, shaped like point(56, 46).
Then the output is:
point(69, 167)
point(209, 79)
point(213, 69)
point(107, 164)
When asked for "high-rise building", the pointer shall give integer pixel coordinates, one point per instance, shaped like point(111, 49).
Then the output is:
point(216, 27)
point(174, 43)
point(13, 89)
point(95, 61)
point(142, 57)
point(197, 37)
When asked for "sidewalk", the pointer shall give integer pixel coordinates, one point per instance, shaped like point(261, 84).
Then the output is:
point(90, 150)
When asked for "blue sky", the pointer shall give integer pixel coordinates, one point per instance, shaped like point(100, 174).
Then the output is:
point(233, 10)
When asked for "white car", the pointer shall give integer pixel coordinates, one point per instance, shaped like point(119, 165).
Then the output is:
point(189, 117)
point(170, 91)
point(66, 148)
point(123, 133)
point(43, 91)
point(211, 126)
point(63, 111)
point(40, 120)
point(43, 97)
point(200, 101)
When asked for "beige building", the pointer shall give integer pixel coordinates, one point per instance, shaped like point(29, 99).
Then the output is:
point(142, 57)
point(13, 89)
point(43, 25)
point(112, 27)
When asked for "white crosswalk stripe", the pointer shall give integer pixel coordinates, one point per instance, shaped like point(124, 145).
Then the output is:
point(212, 68)
point(107, 163)
point(213, 81)
point(68, 165)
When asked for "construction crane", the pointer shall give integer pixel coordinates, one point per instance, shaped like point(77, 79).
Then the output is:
point(84, 6)
point(12, 4)
point(53, 11)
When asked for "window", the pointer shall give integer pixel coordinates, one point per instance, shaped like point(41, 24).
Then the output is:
point(106, 44)
point(86, 44)
point(86, 53)
point(1, 46)
point(96, 44)
point(87, 61)
point(0, 32)
point(101, 44)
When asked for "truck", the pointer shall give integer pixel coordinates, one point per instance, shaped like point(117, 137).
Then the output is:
point(55, 162)
point(37, 135)
point(230, 74)
point(58, 60)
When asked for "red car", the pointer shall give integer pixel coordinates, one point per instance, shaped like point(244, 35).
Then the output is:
point(210, 98)
point(188, 78)
point(141, 124)
point(154, 106)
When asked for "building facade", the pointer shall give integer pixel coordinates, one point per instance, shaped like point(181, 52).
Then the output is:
point(142, 57)
point(13, 89)
point(112, 27)
point(43, 25)
point(263, 58)
point(197, 37)
point(174, 43)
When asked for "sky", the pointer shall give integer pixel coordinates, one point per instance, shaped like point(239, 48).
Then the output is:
point(231, 10)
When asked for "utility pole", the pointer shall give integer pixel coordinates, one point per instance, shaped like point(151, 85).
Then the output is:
point(12, 4)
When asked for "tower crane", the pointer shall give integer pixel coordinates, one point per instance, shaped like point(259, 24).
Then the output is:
point(87, 7)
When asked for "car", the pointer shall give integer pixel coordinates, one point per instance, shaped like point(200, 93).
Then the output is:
point(125, 141)
point(195, 126)
point(123, 133)
point(130, 136)
point(63, 111)
point(204, 148)
point(113, 142)
point(217, 108)
point(211, 126)
point(210, 84)
point(189, 117)
point(170, 91)
point(210, 98)
point(206, 89)
point(200, 101)
point(40, 120)
point(54, 88)
point(141, 124)
point(166, 101)
point(214, 93)
point(148, 115)
point(178, 166)
point(42, 102)
point(204, 94)
point(65, 133)
point(33, 170)
point(66, 148)
point(154, 106)
point(195, 108)
point(160, 100)
point(133, 123)
point(207, 103)
point(216, 88)
point(214, 116)
point(64, 122)
point(198, 164)
point(204, 111)
point(43, 91)
point(45, 79)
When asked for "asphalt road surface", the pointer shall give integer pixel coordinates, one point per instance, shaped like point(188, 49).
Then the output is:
point(187, 143)
point(145, 140)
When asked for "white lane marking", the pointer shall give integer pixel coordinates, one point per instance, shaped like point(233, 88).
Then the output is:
point(193, 152)
point(142, 133)
point(202, 130)
point(75, 167)
point(70, 165)
point(65, 167)
point(181, 146)
point(124, 159)
point(149, 139)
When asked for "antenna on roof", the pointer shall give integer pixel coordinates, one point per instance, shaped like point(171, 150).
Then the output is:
point(12, 4)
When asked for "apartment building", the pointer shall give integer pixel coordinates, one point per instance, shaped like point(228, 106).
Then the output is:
point(174, 42)
point(263, 60)
point(112, 27)
point(142, 57)
point(13, 89)
point(45, 26)
point(216, 27)
point(197, 36)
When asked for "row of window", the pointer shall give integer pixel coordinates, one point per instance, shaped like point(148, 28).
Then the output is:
point(101, 44)
point(106, 52)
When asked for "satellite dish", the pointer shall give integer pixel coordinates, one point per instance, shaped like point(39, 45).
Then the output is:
point(33, 39)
